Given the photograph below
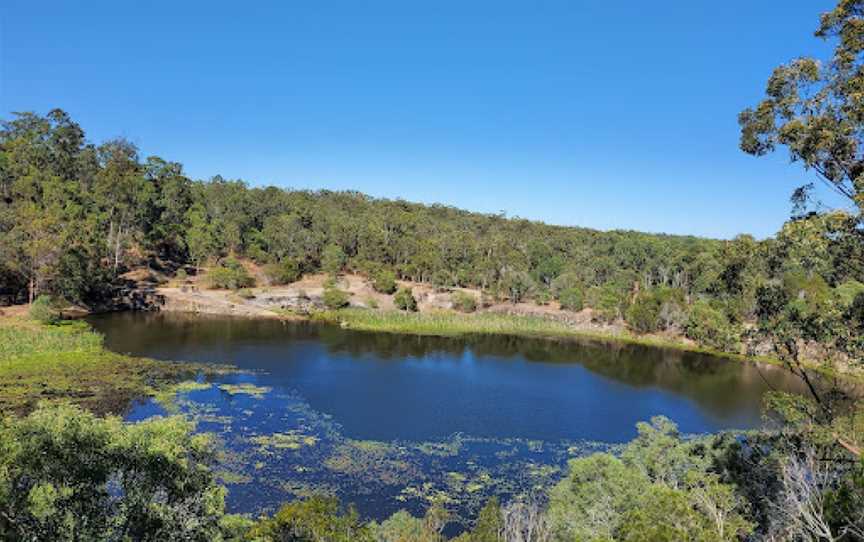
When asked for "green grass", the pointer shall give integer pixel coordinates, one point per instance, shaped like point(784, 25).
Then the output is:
point(454, 324)
point(67, 362)
point(19, 337)
point(444, 324)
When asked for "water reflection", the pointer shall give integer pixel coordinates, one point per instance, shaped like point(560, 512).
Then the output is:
point(390, 387)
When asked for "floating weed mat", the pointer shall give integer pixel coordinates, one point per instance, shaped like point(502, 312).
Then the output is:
point(245, 389)
point(275, 448)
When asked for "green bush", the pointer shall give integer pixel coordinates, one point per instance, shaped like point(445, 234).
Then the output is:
point(606, 301)
point(542, 297)
point(848, 291)
point(285, 272)
point(230, 275)
point(571, 299)
point(404, 300)
point(66, 474)
point(516, 285)
point(335, 298)
point(371, 302)
point(771, 300)
point(855, 313)
point(711, 327)
point(643, 315)
point(403, 527)
point(566, 281)
point(42, 310)
point(812, 289)
point(315, 519)
point(333, 259)
point(463, 302)
point(656, 309)
point(181, 274)
point(647, 493)
point(384, 281)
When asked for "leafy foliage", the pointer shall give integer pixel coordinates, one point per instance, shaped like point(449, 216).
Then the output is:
point(231, 275)
point(661, 488)
point(68, 475)
point(384, 281)
point(710, 326)
point(571, 299)
point(404, 300)
point(335, 298)
point(284, 272)
point(74, 216)
point(42, 310)
point(463, 302)
point(316, 519)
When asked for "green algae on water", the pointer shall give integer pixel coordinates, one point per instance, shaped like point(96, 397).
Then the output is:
point(252, 390)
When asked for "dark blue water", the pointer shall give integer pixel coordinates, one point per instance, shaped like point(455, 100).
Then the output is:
point(450, 418)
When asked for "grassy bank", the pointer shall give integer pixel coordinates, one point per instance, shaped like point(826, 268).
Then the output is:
point(67, 362)
point(454, 324)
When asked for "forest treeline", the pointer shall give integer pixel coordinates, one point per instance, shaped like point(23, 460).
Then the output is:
point(76, 215)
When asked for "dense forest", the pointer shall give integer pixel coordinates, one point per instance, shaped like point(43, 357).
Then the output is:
point(75, 216)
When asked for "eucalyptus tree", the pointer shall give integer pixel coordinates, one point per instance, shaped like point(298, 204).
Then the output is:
point(815, 109)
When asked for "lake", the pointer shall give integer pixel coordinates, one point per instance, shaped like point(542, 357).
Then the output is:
point(394, 421)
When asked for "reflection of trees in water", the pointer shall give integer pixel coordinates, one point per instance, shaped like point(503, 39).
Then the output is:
point(714, 382)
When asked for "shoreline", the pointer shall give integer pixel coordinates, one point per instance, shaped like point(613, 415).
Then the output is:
point(538, 328)
point(432, 320)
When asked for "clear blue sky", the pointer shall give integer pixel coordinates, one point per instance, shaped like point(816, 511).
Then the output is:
point(593, 113)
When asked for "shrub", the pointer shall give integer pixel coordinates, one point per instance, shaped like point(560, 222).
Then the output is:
point(441, 281)
point(403, 527)
point(404, 300)
point(571, 299)
point(66, 474)
point(565, 281)
point(333, 259)
point(181, 274)
point(643, 315)
point(606, 301)
point(542, 297)
point(855, 313)
point(231, 275)
point(656, 309)
point(516, 285)
point(285, 272)
point(463, 302)
point(314, 519)
point(335, 298)
point(709, 326)
point(371, 302)
point(848, 291)
point(771, 300)
point(384, 281)
point(42, 310)
point(646, 493)
point(245, 293)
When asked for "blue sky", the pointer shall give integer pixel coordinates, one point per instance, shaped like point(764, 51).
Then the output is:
point(593, 113)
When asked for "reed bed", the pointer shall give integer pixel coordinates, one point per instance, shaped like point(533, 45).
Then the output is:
point(445, 324)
